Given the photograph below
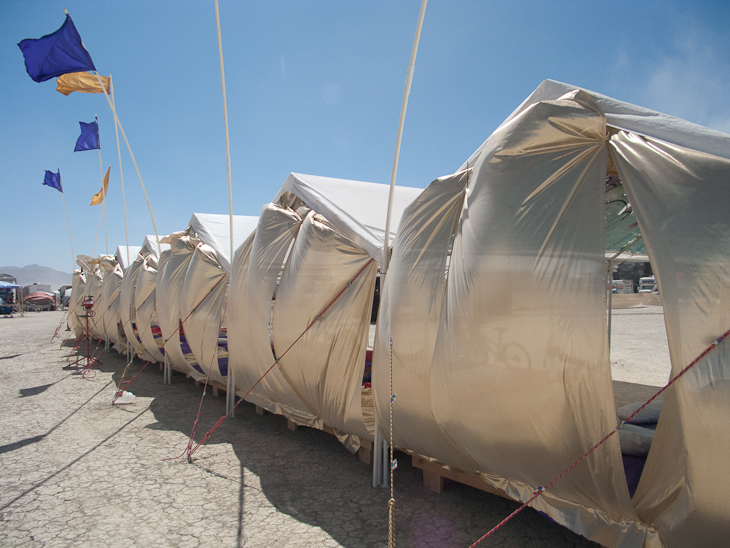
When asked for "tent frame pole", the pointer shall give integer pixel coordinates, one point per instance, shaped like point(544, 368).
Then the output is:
point(166, 373)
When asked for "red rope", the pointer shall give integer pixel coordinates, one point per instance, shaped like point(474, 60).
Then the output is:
point(63, 319)
point(314, 320)
point(540, 489)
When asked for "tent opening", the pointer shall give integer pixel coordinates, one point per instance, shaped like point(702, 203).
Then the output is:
point(638, 346)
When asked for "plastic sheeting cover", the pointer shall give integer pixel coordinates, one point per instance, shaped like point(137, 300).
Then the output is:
point(518, 373)
point(357, 209)
point(170, 282)
point(123, 251)
point(214, 230)
point(205, 289)
point(681, 198)
point(257, 270)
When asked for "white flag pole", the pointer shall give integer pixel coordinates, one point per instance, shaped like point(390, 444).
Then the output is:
point(118, 124)
point(96, 238)
point(121, 174)
point(380, 476)
point(73, 257)
point(131, 154)
point(404, 107)
point(230, 382)
point(103, 199)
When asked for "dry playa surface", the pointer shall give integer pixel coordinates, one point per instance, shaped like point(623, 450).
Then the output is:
point(77, 471)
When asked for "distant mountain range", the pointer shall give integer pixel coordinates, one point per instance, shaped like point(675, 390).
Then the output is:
point(38, 274)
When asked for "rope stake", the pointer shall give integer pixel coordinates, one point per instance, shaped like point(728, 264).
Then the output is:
point(540, 490)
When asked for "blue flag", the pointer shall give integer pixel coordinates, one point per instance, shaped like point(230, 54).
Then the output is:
point(89, 138)
point(54, 54)
point(53, 180)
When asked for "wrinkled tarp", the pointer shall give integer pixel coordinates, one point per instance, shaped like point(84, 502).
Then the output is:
point(314, 257)
point(507, 358)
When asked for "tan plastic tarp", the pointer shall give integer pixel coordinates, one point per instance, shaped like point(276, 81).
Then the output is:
point(128, 305)
point(169, 289)
point(504, 370)
point(257, 267)
point(204, 290)
point(75, 310)
point(146, 308)
point(327, 363)
point(94, 286)
point(681, 198)
point(301, 302)
point(112, 289)
point(102, 267)
point(202, 301)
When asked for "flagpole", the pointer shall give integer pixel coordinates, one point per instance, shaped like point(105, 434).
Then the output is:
point(103, 197)
point(379, 475)
point(230, 382)
point(68, 224)
point(131, 154)
point(121, 175)
point(404, 107)
point(96, 238)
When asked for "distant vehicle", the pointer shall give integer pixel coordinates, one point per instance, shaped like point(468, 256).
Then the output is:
point(66, 298)
point(648, 285)
point(622, 286)
point(40, 300)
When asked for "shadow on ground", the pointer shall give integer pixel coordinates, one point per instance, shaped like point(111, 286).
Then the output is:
point(308, 475)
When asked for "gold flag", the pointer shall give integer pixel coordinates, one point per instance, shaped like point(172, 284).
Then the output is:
point(99, 196)
point(80, 81)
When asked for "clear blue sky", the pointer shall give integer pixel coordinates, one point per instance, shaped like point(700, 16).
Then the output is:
point(312, 87)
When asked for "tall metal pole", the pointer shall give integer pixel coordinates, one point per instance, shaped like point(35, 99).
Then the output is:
point(131, 154)
point(230, 381)
point(121, 173)
point(380, 477)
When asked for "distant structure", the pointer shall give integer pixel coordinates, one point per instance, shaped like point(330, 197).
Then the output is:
point(8, 278)
point(28, 289)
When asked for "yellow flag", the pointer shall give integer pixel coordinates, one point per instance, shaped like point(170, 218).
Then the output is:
point(80, 81)
point(99, 196)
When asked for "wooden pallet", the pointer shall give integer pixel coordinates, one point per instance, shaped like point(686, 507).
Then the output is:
point(365, 453)
point(434, 475)
point(218, 388)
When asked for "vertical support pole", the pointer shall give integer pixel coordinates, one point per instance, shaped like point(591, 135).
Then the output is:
point(121, 173)
point(230, 391)
point(610, 305)
point(166, 371)
point(230, 382)
point(385, 463)
point(380, 451)
point(377, 456)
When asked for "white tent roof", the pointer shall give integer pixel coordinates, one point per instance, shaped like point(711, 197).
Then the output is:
point(150, 243)
point(214, 230)
point(122, 255)
point(356, 208)
point(633, 118)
